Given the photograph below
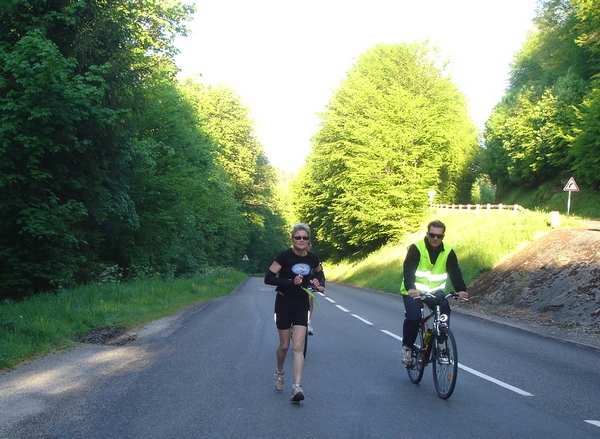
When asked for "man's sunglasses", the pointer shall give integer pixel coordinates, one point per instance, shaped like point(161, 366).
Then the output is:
point(301, 238)
point(435, 235)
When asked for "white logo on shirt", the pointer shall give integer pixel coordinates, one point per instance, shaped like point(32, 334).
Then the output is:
point(301, 268)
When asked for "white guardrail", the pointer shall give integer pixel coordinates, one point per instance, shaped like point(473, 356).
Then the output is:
point(477, 208)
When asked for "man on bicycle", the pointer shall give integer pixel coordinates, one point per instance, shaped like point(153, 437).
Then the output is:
point(427, 266)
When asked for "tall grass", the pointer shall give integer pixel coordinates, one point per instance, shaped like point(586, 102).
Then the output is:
point(479, 240)
point(45, 322)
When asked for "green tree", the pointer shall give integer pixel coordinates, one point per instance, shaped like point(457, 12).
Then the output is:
point(48, 170)
point(586, 146)
point(227, 125)
point(396, 128)
point(67, 89)
point(189, 218)
point(531, 134)
point(588, 25)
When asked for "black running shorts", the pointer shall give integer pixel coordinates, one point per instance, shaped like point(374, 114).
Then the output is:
point(290, 311)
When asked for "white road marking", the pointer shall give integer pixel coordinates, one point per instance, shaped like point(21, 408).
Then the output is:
point(596, 423)
point(494, 380)
point(331, 300)
point(465, 368)
point(391, 334)
point(362, 320)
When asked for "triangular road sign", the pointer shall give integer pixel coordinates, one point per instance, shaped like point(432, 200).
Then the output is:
point(571, 186)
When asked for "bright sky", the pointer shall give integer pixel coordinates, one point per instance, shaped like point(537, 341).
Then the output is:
point(286, 59)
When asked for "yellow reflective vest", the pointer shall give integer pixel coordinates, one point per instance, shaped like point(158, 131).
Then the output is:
point(429, 277)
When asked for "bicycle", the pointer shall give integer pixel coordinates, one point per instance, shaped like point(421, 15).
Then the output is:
point(435, 344)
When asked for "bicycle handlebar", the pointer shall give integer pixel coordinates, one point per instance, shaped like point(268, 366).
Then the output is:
point(439, 295)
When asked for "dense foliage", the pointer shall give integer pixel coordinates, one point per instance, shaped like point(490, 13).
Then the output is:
point(546, 125)
point(396, 128)
point(108, 166)
point(227, 125)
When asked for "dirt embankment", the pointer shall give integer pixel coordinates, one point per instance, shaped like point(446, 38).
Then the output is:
point(551, 284)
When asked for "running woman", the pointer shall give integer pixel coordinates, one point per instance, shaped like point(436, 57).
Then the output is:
point(291, 272)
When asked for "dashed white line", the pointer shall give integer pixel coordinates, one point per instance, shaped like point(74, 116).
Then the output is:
point(342, 308)
point(596, 423)
point(494, 380)
point(362, 320)
point(391, 334)
point(331, 300)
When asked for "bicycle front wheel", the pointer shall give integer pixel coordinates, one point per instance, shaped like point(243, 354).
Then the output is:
point(417, 366)
point(445, 364)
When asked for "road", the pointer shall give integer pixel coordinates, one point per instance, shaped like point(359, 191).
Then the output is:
point(208, 373)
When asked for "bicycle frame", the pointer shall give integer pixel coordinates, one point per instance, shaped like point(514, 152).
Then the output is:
point(428, 348)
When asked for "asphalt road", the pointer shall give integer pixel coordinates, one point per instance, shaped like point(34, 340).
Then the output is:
point(208, 373)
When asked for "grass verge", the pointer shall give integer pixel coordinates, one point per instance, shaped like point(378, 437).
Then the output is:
point(46, 322)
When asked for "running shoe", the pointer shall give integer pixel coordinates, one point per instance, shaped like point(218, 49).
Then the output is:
point(406, 356)
point(279, 381)
point(310, 329)
point(297, 393)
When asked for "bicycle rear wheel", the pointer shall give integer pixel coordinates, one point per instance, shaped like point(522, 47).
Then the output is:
point(445, 365)
point(416, 368)
point(305, 342)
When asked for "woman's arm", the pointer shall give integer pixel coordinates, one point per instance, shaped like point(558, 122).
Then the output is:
point(271, 277)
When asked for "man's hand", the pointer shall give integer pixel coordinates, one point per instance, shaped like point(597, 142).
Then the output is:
point(414, 293)
point(463, 295)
